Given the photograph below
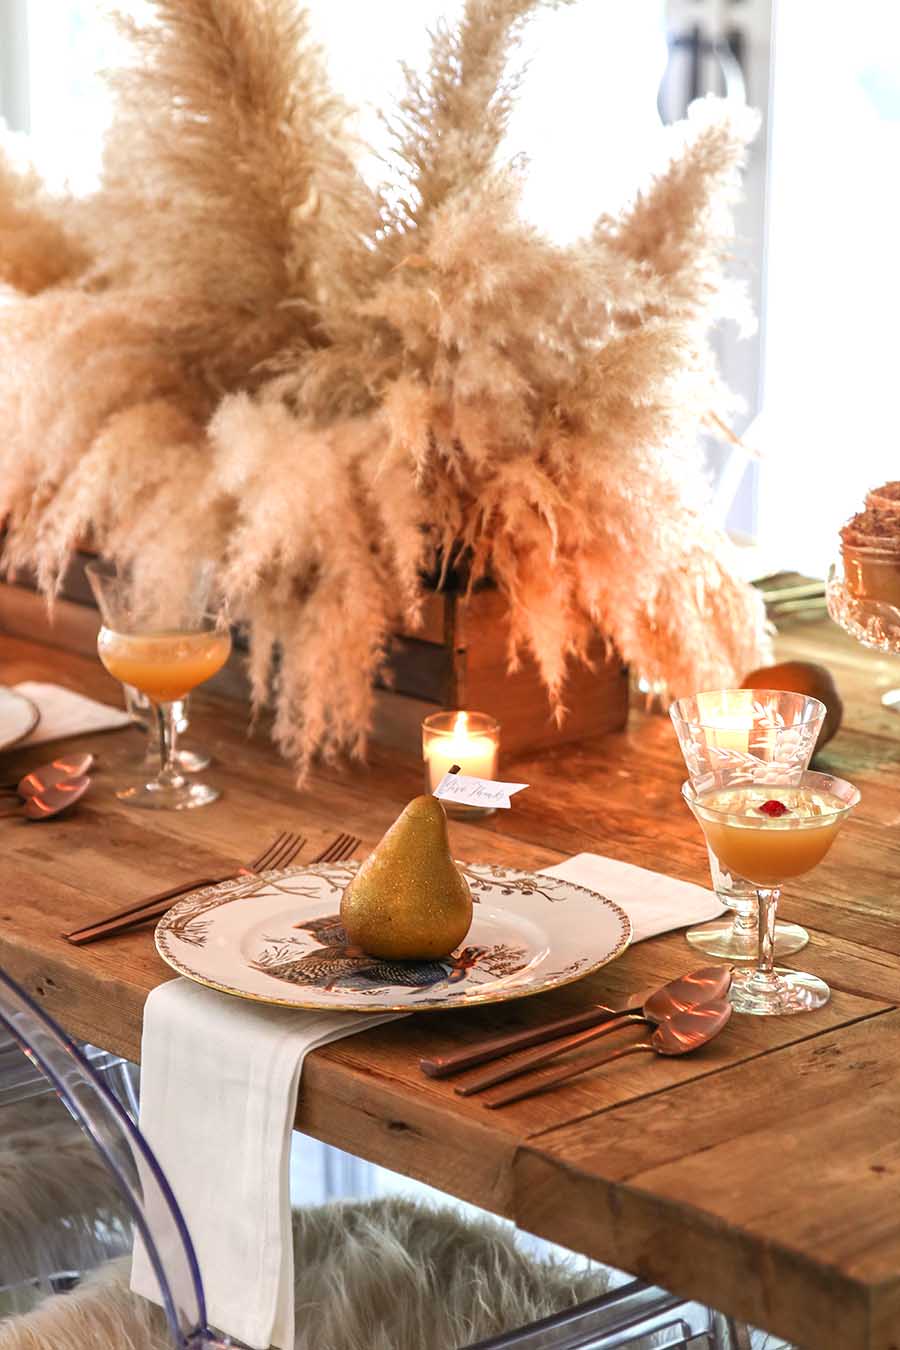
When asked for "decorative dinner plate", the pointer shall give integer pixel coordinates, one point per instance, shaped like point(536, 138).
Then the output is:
point(18, 716)
point(279, 939)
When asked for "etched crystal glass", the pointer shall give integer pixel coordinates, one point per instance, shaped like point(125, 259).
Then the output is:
point(757, 735)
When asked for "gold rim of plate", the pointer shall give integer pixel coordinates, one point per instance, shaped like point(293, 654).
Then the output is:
point(504, 995)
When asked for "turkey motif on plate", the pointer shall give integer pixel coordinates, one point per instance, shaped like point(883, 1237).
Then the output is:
point(279, 939)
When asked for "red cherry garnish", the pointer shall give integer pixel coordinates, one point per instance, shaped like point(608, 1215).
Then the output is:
point(773, 808)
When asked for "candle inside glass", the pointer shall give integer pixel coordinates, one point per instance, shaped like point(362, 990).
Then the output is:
point(730, 733)
point(741, 721)
point(728, 719)
point(469, 739)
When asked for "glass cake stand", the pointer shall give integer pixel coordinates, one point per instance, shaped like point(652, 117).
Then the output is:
point(874, 623)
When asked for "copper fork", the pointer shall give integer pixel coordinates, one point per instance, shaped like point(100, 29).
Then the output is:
point(282, 850)
point(343, 846)
point(279, 853)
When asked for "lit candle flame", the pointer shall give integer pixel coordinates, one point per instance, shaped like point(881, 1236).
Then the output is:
point(461, 748)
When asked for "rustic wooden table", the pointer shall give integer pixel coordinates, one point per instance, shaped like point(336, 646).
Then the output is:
point(762, 1176)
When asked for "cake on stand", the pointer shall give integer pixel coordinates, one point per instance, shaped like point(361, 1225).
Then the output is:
point(863, 589)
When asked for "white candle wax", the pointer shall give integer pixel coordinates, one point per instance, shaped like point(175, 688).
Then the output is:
point(475, 755)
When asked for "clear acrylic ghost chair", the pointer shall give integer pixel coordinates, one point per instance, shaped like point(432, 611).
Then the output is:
point(60, 1212)
point(151, 1205)
point(637, 1315)
point(20, 1079)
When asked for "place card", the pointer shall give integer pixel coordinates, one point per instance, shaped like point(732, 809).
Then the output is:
point(465, 790)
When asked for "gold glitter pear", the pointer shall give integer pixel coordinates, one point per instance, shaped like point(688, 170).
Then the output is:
point(408, 901)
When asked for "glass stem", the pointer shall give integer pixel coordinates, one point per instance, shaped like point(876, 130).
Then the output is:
point(167, 722)
point(768, 905)
point(154, 744)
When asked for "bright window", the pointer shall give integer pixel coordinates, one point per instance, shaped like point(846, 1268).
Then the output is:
point(69, 45)
point(593, 70)
point(829, 423)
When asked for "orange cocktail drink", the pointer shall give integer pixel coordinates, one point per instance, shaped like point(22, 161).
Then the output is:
point(165, 666)
point(162, 642)
point(769, 834)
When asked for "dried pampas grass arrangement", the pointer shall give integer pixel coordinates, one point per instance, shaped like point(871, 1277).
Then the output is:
point(236, 349)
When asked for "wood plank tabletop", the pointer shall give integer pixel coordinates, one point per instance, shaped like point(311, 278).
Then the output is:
point(761, 1175)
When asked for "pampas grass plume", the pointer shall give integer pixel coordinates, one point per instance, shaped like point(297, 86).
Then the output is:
point(237, 350)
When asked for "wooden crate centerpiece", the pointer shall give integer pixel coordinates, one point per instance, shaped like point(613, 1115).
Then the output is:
point(458, 659)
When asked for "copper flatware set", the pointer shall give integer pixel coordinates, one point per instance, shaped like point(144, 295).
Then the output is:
point(679, 996)
point(678, 1035)
point(280, 853)
point(685, 992)
point(688, 1012)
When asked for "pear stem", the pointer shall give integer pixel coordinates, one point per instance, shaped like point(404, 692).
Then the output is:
point(454, 768)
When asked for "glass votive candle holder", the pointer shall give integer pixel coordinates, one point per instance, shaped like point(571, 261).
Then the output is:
point(469, 739)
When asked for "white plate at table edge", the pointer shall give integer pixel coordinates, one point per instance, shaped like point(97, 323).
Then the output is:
point(239, 898)
point(28, 713)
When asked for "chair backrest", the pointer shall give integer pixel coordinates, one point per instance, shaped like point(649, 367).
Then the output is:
point(634, 1314)
point(20, 1079)
point(125, 1152)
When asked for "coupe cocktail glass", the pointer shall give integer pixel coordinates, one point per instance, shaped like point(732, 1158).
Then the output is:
point(164, 645)
point(765, 735)
point(769, 833)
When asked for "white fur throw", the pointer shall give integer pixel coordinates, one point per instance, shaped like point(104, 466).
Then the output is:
point(60, 1208)
point(380, 1275)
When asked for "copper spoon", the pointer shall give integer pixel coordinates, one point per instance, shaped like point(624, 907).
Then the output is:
point(53, 800)
point(681, 995)
point(699, 987)
point(679, 1035)
point(48, 775)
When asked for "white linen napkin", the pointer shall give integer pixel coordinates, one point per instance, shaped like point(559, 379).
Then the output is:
point(219, 1083)
point(653, 902)
point(65, 713)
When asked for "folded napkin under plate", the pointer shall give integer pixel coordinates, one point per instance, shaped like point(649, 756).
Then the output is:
point(219, 1084)
point(653, 902)
point(65, 713)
